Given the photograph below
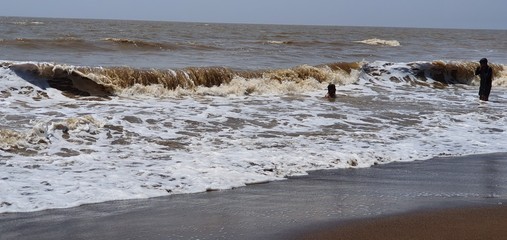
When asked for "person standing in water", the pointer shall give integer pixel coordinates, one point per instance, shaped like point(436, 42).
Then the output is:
point(485, 72)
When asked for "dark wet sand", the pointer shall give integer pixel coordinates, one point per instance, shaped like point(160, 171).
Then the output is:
point(452, 224)
point(445, 197)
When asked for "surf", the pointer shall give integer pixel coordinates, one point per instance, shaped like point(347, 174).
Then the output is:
point(112, 81)
point(73, 135)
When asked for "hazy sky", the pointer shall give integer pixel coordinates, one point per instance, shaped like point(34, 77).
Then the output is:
point(489, 14)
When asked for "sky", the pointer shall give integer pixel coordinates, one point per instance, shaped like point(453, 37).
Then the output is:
point(469, 14)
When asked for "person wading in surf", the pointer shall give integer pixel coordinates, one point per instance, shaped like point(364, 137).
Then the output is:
point(331, 91)
point(485, 72)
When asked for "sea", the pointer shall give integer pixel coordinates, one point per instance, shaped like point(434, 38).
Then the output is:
point(102, 110)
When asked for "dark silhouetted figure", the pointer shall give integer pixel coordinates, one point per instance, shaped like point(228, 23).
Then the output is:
point(485, 72)
point(331, 91)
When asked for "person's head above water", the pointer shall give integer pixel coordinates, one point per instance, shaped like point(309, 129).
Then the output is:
point(331, 91)
point(483, 61)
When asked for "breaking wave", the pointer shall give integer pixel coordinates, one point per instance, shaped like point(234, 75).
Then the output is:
point(440, 72)
point(376, 41)
point(104, 82)
point(28, 23)
point(278, 42)
point(74, 81)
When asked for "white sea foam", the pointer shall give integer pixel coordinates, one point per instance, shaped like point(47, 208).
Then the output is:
point(240, 86)
point(376, 41)
point(149, 140)
point(276, 42)
point(65, 152)
point(28, 23)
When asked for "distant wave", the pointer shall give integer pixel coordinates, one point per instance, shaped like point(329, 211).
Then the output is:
point(109, 44)
point(126, 43)
point(50, 43)
point(28, 23)
point(110, 81)
point(376, 41)
point(123, 42)
point(277, 42)
point(291, 42)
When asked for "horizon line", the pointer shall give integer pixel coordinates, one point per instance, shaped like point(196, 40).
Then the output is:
point(251, 23)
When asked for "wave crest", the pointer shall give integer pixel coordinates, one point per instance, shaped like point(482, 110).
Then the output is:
point(275, 42)
point(376, 41)
point(146, 45)
point(106, 44)
point(435, 74)
point(455, 72)
point(28, 23)
point(131, 44)
point(104, 82)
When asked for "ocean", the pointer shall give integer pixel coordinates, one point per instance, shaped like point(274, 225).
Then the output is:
point(101, 110)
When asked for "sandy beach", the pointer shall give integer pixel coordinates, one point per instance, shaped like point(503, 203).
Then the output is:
point(443, 198)
point(463, 223)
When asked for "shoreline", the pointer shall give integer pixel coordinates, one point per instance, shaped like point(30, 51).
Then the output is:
point(285, 209)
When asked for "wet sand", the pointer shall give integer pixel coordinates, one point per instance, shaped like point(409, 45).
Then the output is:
point(453, 224)
point(447, 189)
